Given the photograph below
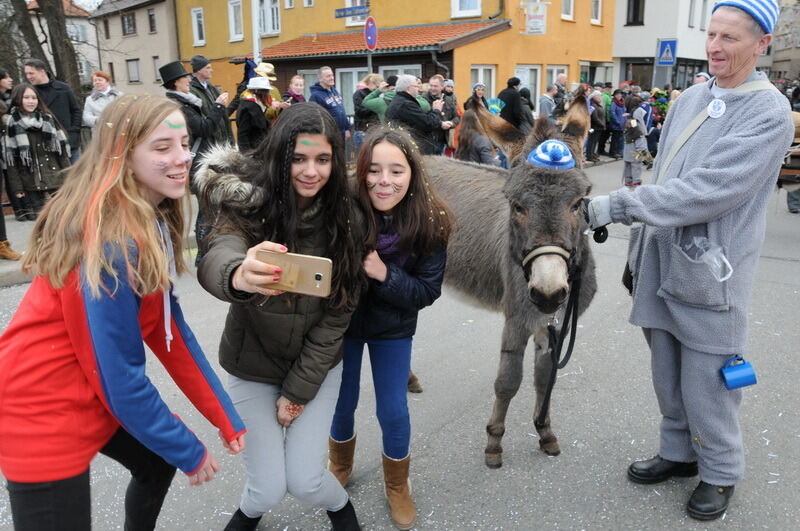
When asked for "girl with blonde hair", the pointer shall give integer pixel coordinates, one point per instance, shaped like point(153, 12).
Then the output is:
point(72, 360)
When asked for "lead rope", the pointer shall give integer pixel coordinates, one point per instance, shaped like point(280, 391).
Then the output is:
point(555, 343)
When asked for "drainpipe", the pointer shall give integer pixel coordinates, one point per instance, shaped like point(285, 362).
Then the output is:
point(500, 10)
point(440, 65)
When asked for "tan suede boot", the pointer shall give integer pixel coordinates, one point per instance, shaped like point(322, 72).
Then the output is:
point(398, 492)
point(340, 458)
point(413, 383)
point(7, 253)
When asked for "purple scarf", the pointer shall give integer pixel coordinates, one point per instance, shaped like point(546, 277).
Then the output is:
point(387, 245)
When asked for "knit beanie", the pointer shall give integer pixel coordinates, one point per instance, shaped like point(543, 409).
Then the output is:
point(765, 12)
point(552, 154)
point(198, 62)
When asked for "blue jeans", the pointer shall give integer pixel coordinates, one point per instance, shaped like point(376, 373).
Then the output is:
point(793, 200)
point(391, 363)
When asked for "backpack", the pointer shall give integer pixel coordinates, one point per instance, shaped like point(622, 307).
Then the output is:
point(632, 131)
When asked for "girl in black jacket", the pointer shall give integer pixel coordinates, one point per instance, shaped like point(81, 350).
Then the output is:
point(251, 122)
point(407, 230)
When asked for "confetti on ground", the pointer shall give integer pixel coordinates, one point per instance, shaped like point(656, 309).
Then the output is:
point(774, 474)
point(766, 441)
point(654, 490)
point(772, 481)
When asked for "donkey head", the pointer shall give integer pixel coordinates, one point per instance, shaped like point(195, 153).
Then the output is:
point(545, 190)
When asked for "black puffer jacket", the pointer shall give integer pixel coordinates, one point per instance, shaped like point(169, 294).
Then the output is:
point(389, 309)
point(404, 111)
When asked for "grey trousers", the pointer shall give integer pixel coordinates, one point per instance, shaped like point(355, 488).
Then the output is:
point(292, 460)
point(700, 417)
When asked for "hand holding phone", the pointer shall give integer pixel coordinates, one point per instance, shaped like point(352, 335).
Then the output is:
point(254, 275)
point(299, 273)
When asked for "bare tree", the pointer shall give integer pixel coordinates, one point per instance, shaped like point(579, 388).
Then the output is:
point(61, 44)
point(25, 26)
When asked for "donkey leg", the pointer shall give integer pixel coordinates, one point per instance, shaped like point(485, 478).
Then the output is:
point(548, 441)
point(506, 385)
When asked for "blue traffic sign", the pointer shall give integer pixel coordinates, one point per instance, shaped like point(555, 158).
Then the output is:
point(371, 33)
point(355, 11)
point(667, 52)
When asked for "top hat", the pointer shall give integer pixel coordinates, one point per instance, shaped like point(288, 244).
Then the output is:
point(171, 72)
point(266, 70)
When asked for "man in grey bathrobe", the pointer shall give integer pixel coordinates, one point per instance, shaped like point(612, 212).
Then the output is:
point(716, 186)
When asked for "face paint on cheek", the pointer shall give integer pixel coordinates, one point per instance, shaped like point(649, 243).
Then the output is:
point(160, 166)
point(397, 188)
point(371, 185)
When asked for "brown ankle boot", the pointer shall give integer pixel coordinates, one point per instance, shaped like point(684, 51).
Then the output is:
point(340, 458)
point(413, 383)
point(7, 253)
point(398, 492)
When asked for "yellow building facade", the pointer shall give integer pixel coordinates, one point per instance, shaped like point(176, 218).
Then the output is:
point(298, 36)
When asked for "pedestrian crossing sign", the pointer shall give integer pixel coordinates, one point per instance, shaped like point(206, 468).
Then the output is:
point(667, 52)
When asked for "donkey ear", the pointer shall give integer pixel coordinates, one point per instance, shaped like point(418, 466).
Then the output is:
point(575, 124)
point(503, 134)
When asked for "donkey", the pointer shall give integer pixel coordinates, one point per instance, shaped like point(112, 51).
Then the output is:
point(501, 217)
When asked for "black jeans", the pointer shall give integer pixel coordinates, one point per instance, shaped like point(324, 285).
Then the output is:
point(65, 504)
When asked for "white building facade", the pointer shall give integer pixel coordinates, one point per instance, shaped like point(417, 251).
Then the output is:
point(640, 24)
point(136, 38)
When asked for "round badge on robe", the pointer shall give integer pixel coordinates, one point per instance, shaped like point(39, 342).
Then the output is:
point(716, 108)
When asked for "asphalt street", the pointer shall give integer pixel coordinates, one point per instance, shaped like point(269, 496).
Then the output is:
point(604, 413)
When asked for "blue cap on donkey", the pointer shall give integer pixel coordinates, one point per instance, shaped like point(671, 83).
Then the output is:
point(552, 154)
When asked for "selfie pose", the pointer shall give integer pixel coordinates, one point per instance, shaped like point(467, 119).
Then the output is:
point(104, 253)
point(283, 350)
point(407, 232)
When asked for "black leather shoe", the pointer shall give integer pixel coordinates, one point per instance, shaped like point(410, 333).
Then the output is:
point(708, 502)
point(658, 469)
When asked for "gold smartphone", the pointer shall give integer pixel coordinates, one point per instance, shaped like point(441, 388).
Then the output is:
point(300, 273)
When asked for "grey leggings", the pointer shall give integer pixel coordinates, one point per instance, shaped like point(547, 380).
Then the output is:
point(293, 460)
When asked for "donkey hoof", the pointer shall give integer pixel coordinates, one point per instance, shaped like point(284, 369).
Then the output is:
point(550, 446)
point(494, 460)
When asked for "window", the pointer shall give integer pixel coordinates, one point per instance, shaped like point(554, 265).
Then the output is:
point(691, 13)
point(235, 25)
point(567, 9)
point(111, 72)
point(151, 19)
point(156, 66)
point(703, 15)
point(106, 29)
point(76, 32)
point(484, 74)
point(269, 17)
point(553, 71)
point(465, 8)
point(597, 11)
point(635, 13)
point(133, 70)
point(396, 70)
point(529, 77)
point(355, 21)
point(198, 27)
point(308, 3)
point(82, 70)
point(346, 81)
point(289, 4)
point(129, 24)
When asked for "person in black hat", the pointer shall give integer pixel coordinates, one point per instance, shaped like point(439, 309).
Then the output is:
point(201, 125)
point(202, 87)
point(512, 111)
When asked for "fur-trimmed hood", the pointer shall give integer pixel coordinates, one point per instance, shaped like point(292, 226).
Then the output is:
point(223, 178)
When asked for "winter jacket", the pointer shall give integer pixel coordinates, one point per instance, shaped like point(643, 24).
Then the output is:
point(617, 122)
point(251, 124)
point(389, 309)
point(332, 101)
point(200, 126)
point(468, 104)
point(512, 110)
point(289, 340)
point(718, 186)
point(72, 372)
point(448, 113)
point(292, 97)
point(526, 126)
point(222, 133)
point(598, 117)
point(546, 106)
point(364, 117)
point(405, 111)
point(62, 103)
point(44, 174)
point(95, 103)
point(481, 151)
point(378, 101)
